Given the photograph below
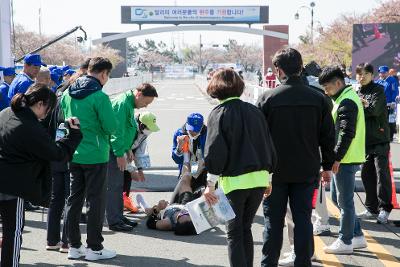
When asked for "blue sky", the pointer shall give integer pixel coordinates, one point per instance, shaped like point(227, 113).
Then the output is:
point(104, 16)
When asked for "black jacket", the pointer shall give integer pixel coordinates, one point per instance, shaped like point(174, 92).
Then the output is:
point(26, 150)
point(52, 122)
point(301, 125)
point(376, 122)
point(238, 140)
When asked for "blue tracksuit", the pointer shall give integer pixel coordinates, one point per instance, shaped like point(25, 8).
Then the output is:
point(391, 88)
point(4, 95)
point(20, 84)
point(179, 158)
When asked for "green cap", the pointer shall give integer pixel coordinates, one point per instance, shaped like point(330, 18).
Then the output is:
point(149, 119)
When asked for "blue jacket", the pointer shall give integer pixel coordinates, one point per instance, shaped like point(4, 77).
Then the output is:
point(178, 158)
point(20, 84)
point(4, 95)
point(391, 88)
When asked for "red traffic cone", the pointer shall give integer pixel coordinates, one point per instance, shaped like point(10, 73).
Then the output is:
point(394, 198)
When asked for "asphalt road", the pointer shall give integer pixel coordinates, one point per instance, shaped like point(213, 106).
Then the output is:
point(145, 247)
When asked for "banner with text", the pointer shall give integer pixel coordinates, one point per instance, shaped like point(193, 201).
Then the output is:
point(195, 14)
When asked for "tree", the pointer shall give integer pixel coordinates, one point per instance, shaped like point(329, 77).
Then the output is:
point(66, 51)
point(334, 44)
point(152, 53)
point(249, 56)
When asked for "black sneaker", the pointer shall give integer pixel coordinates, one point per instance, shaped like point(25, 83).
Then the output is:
point(129, 222)
point(120, 227)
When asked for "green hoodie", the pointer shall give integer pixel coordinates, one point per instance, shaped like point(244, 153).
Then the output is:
point(85, 100)
point(123, 106)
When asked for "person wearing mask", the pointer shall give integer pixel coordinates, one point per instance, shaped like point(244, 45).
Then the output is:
point(194, 134)
point(25, 155)
point(391, 87)
point(306, 135)
point(348, 115)
point(147, 124)
point(239, 154)
point(26, 78)
point(375, 172)
point(121, 143)
point(8, 75)
point(88, 168)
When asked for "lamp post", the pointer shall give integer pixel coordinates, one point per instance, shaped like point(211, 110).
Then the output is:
point(311, 8)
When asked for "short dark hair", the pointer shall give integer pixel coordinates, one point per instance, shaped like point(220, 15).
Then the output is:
point(289, 60)
point(147, 90)
point(225, 83)
point(85, 64)
point(99, 64)
point(36, 93)
point(366, 67)
point(330, 74)
point(185, 228)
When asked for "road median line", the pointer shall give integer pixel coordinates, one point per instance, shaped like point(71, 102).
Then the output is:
point(381, 253)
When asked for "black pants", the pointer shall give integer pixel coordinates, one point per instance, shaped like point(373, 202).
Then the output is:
point(90, 179)
point(13, 219)
point(376, 178)
point(300, 200)
point(115, 188)
point(392, 130)
point(59, 196)
point(240, 239)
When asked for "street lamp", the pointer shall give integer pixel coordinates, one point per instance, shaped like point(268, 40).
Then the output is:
point(311, 8)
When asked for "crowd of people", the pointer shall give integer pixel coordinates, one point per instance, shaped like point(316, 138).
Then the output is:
point(65, 143)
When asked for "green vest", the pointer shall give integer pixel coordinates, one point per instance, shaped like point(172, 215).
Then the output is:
point(356, 151)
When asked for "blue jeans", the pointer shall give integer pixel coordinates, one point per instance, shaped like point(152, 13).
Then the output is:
point(342, 191)
point(300, 200)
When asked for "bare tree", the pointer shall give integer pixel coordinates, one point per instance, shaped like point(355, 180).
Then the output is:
point(66, 51)
point(334, 44)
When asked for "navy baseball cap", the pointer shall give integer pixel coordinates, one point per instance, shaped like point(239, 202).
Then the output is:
point(34, 59)
point(194, 122)
point(8, 71)
point(383, 69)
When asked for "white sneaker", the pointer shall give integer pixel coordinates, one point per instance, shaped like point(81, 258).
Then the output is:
point(141, 202)
point(287, 254)
point(359, 242)
point(321, 229)
point(289, 260)
point(366, 215)
point(93, 255)
point(338, 247)
point(383, 217)
point(76, 253)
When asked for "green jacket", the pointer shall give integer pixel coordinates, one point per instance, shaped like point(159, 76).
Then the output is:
point(85, 100)
point(122, 140)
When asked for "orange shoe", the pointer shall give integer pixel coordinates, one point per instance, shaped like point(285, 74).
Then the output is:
point(129, 205)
